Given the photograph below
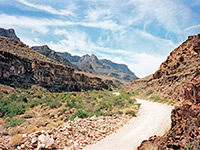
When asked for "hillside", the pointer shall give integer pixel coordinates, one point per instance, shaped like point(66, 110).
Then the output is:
point(185, 127)
point(178, 69)
point(23, 67)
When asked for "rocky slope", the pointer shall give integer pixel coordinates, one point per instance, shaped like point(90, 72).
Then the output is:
point(71, 135)
point(178, 69)
point(10, 33)
point(103, 67)
point(185, 127)
point(21, 66)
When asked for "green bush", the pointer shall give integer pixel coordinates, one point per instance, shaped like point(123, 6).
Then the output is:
point(12, 122)
point(5, 91)
point(156, 98)
point(148, 92)
point(54, 104)
point(12, 106)
point(80, 114)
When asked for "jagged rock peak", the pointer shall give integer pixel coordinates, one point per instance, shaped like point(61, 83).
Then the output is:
point(10, 33)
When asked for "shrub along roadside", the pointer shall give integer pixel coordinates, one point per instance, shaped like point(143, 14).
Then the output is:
point(77, 104)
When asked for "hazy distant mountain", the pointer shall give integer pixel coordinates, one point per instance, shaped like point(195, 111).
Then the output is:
point(10, 33)
point(103, 67)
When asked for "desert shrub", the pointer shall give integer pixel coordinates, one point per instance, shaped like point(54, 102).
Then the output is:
point(54, 104)
point(4, 91)
point(12, 122)
point(100, 96)
point(108, 113)
point(71, 103)
point(148, 92)
point(163, 100)
point(12, 106)
point(80, 114)
point(132, 100)
point(155, 98)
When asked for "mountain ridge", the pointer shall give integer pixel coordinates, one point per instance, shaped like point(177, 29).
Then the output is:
point(86, 63)
point(23, 67)
point(10, 33)
point(103, 66)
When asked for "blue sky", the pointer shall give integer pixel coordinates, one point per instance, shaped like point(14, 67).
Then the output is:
point(138, 33)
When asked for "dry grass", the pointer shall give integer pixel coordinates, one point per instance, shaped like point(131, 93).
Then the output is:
point(30, 129)
point(1, 121)
point(17, 139)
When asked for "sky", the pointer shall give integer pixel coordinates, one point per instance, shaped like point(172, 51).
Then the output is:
point(138, 33)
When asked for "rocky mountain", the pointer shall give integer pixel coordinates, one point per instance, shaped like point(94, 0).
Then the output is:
point(89, 64)
point(185, 127)
point(103, 67)
point(21, 66)
point(10, 33)
point(46, 51)
point(178, 69)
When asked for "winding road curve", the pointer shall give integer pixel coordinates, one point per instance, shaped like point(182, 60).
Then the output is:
point(153, 119)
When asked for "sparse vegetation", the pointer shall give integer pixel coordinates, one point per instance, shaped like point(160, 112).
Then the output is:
point(80, 114)
point(12, 122)
point(56, 108)
point(149, 92)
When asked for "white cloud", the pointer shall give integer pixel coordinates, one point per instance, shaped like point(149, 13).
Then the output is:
point(35, 24)
point(41, 24)
point(193, 27)
point(145, 64)
point(67, 11)
point(98, 13)
point(78, 40)
point(169, 13)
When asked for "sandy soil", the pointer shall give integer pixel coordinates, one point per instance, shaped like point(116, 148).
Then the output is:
point(152, 119)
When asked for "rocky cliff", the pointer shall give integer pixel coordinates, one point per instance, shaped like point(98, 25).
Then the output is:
point(21, 66)
point(185, 126)
point(178, 69)
point(10, 33)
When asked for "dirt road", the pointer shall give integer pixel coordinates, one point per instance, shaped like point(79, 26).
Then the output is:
point(152, 119)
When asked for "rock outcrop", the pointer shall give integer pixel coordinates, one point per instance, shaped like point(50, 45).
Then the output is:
point(10, 33)
point(185, 126)
point(20, 66)
point(178, 69)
